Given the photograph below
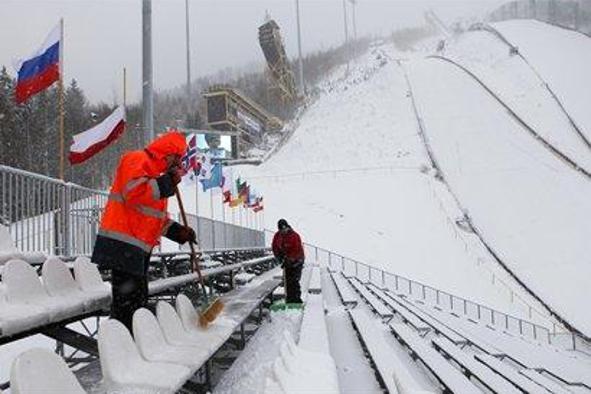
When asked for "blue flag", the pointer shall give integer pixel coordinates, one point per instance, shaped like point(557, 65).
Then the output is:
point(215, 180)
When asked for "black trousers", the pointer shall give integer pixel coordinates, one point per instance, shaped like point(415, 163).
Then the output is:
point(293, 274)
point(130, 293)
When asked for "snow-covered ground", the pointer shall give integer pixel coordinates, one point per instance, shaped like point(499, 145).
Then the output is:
point(563, 59)
point(352, 179)
point(532, 208)
point(513, 80)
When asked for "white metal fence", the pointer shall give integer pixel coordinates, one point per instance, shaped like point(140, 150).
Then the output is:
point(59, 218)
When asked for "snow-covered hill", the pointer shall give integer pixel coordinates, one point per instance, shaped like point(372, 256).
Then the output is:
point(352, 178)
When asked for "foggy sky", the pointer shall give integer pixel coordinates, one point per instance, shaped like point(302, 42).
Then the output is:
point(103, 36)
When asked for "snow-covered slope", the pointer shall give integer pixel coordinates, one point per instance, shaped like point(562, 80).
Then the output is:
point(562, 58)
point(531, 207)
point(514, 81)
point(352, 180)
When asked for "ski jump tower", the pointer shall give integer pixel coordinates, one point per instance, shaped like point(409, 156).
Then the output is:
point(281, 76)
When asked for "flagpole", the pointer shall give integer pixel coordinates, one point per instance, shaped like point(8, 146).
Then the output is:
point(61, 100)
point(212, 218)
point(125, 88)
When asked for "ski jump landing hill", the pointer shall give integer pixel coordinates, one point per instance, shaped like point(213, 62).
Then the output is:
point(450, 197)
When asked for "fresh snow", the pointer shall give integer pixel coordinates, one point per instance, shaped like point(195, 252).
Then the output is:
point(531, 207)
point(514, 81)
point(562, 57)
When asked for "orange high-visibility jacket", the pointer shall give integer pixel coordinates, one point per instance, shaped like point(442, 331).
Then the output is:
point(135, 214)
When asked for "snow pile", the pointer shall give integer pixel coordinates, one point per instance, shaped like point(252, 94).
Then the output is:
point(243, 278)
point(9, 252)
point(562, 58)
point(301, 371)
point(248, 372)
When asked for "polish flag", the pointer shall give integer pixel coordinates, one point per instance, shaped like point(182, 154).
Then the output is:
point(92, 141)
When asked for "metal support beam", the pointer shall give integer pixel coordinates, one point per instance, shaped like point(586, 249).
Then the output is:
point(73, 339)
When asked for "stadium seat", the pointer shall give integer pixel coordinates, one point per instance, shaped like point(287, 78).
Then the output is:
point(124, 369)
point(188, 314)
point(24, 287)
point(172, 327)
point(88, 276)
point(89, 280)
point(9, 252)
point(153, 346)
point(42, 371)
point(58, 282)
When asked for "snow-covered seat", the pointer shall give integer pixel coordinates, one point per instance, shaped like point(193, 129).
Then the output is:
point(58, 282)
point(124, 369)
point(298, 371)
point(88, 279)
point(153, 346)
point(42, 371)
point(188, 314)
point(17, 317)
point(9, 252)
point(24, 290)
point(172, 327)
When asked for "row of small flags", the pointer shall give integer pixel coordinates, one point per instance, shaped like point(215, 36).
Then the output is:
point(41, 70)
point(212, 175)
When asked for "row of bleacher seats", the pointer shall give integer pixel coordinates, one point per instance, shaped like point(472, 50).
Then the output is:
point(462, 355)
point(165, 351)
point(28, 301)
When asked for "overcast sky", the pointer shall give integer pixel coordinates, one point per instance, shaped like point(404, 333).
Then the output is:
point(103, 36)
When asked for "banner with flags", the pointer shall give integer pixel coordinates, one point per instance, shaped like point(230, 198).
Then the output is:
point(92, 141)
point(41, 69)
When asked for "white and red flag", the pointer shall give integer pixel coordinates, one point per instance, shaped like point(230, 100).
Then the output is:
point(92, 141)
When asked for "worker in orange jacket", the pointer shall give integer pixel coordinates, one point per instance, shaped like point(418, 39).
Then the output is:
point(136, 217)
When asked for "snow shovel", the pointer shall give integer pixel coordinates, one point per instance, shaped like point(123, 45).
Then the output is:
point(212, 308)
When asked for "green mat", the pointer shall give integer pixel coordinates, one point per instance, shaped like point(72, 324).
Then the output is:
point(282, 306)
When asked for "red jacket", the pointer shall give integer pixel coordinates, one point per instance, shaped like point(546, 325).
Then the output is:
point(288, 245)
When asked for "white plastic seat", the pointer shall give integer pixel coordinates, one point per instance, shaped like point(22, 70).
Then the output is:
point(58, 282)
point(188, 314)
point(124, 369)
point(9, 252)
point(42, 371)
point(172, 327)
point(88, 279)
point(23, 287)
point(153, 346)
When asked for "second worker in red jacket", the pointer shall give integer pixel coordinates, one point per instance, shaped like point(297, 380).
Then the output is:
point(288, 249)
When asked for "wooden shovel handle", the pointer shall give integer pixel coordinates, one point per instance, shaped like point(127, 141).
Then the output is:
point(194, 263)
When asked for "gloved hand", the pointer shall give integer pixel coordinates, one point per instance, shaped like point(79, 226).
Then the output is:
point(186, 234)
point(176, 174)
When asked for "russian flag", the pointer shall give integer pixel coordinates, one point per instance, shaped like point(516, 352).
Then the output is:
point(40, 70)
point(92, 141)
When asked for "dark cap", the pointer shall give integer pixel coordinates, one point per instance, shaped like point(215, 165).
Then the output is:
point(282, 223)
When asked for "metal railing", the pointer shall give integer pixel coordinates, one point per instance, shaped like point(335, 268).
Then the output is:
point(443, 300)
point(214, 234)
point(446, 301)
point(49, 215)
point(44, 214)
